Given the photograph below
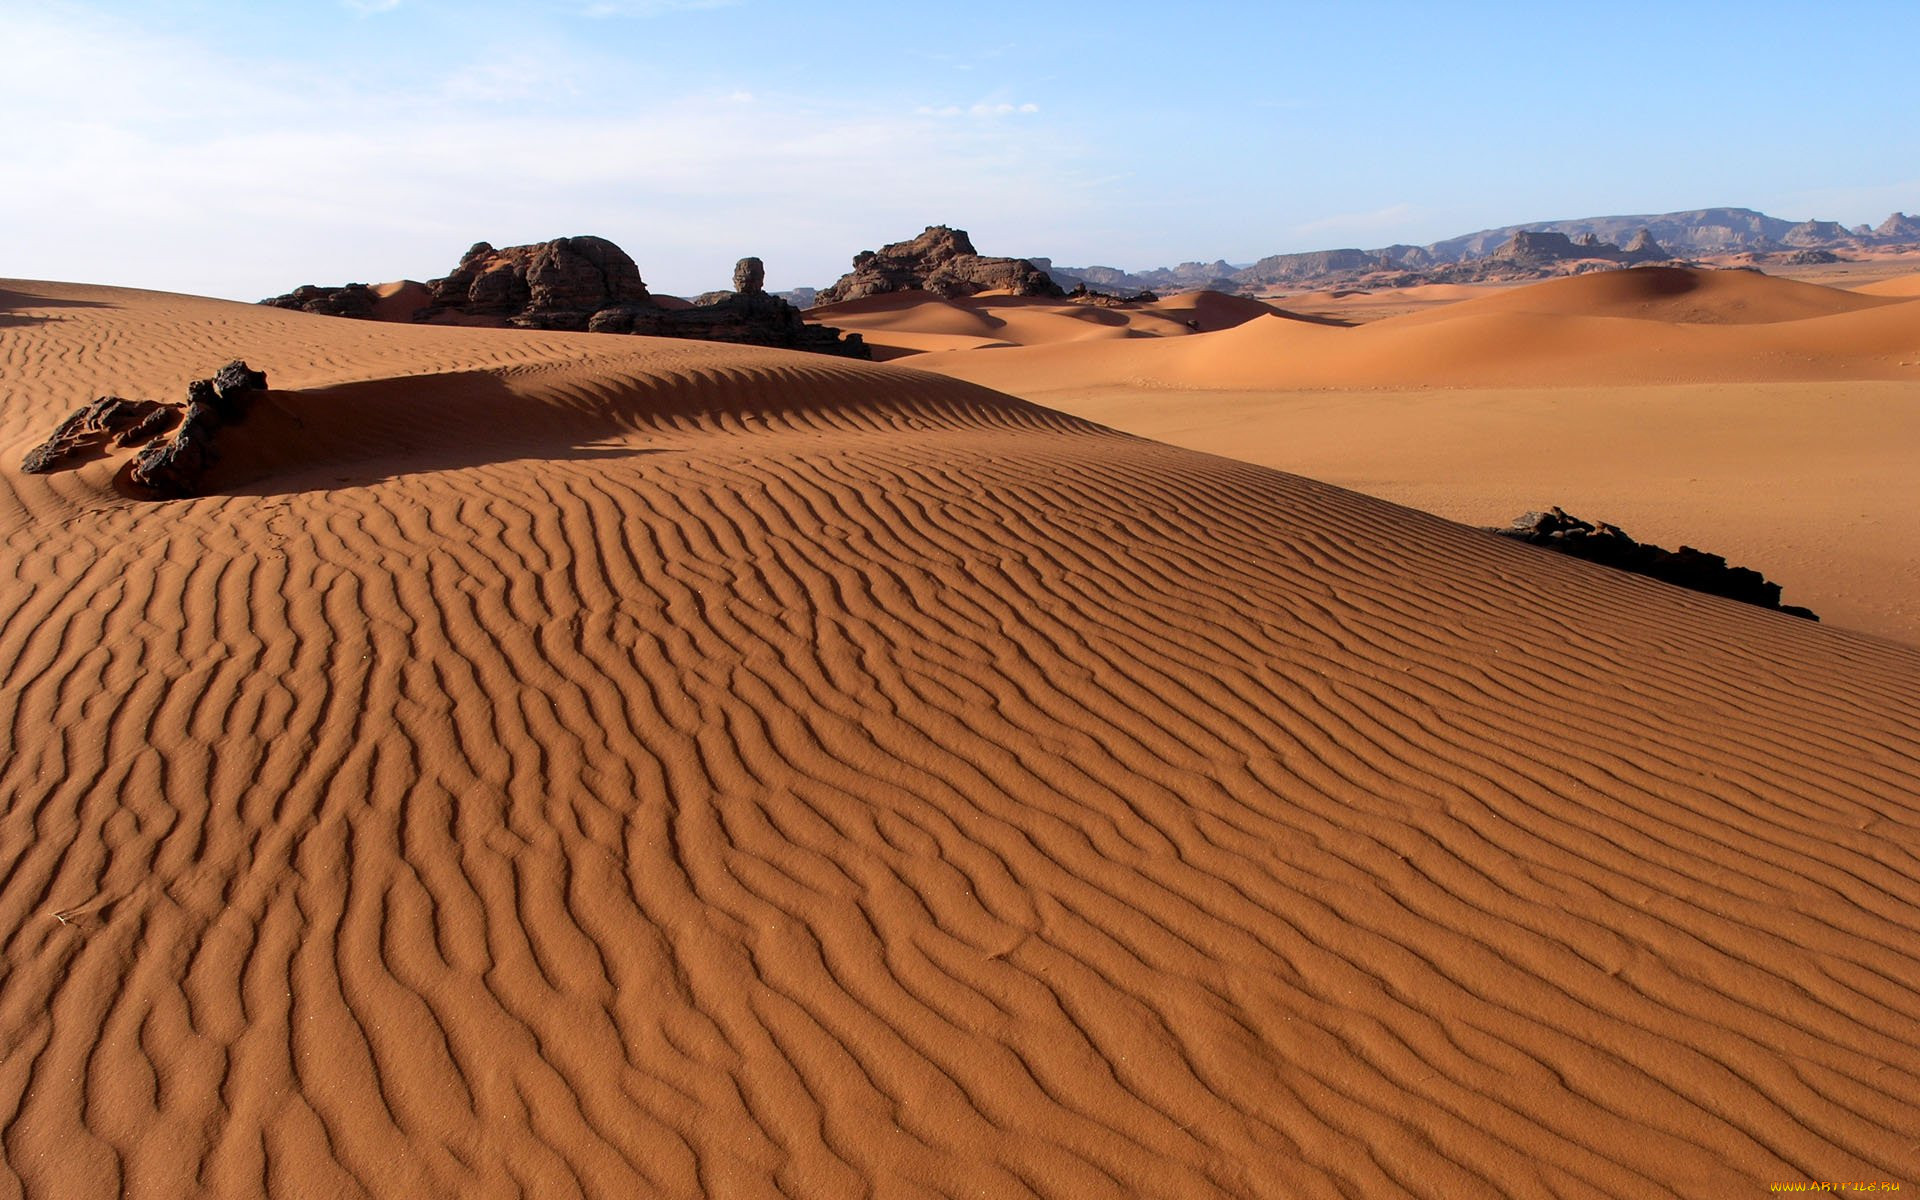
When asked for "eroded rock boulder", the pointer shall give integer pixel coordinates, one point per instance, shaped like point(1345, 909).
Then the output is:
point(91, 429)
point(176, 440)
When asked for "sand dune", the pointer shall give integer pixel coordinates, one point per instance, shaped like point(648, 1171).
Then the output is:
point(1904, 285)
point(1706, 415)
point(571, 765)
point(912, 322)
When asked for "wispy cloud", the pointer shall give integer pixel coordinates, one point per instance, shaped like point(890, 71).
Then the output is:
point(372, 6)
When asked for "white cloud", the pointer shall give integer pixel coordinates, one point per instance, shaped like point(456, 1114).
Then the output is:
point(185, 170)
point(372, 6)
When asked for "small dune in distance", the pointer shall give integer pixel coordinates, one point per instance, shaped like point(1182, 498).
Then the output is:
point(965, 731)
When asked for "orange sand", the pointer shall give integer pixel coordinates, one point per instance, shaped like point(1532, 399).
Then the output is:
point(586, 766)
point(1765, 419)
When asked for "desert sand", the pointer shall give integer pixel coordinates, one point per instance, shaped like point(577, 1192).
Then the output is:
point(572, 765)
point(1765, 419)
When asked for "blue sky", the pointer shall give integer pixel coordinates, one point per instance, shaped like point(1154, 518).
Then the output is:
point(239, 149)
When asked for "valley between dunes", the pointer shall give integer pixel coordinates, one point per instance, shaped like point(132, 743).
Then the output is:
point(574, 765)
point(1772, 421)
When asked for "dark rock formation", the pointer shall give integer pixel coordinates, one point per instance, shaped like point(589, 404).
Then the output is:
point(1082, 294)
point(942, 261)
point(749, 275)
point(92, 428)
point(173, 467)
point(349, 300)
point(589, 285)
point(1685, 567)
point(548, 285)
point(171, 464)
point(745, 318)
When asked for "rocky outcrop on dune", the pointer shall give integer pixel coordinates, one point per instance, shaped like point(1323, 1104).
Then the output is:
point(942, 261)
point(90, 430)
point(589, 285)
point(748, 315)
point(355, 300)
point(178, 439)
point(1599, 542)
point(548, 285)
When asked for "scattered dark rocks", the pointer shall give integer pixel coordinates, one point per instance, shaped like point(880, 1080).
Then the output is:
point(90, 429)
point(1082, 294)
point(943, 261)
point(177, 439)
point(1686, 567)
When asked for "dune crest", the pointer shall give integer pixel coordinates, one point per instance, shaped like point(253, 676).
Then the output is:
point(610, 766)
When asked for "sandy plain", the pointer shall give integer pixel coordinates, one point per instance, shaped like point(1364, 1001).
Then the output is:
point(558, 765)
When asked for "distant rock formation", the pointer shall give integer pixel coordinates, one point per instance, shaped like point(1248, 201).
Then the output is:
point(1899, 228)
point(178, 439)
point(943, 261)
point(1686, 567)
point(348, 300)
point(1290, 268)
point(1082, 294)
point(1530, 247)
point(548, 285)
point(1643, 248)
point(1817, 235)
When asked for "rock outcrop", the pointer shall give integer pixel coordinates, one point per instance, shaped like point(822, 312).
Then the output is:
point(348, 300)
point(91, 429)
point(589, 285)
point(1899, 228)
point(177, 439)
point(547, 285)
point(1686, 567)
point(748, 315)
point(1643, 248)
point(943, 261)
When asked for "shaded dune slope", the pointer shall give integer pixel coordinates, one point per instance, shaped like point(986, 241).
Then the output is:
point(663, 770)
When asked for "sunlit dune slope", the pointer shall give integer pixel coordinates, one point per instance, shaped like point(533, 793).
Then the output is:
point(912, 322)
point(1903, 285)
point(1601, 328)
point(594, 766)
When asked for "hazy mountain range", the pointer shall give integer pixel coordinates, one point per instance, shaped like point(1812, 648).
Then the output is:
point(1700, 232)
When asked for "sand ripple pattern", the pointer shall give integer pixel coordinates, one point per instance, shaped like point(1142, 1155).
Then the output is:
point(757, 776)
